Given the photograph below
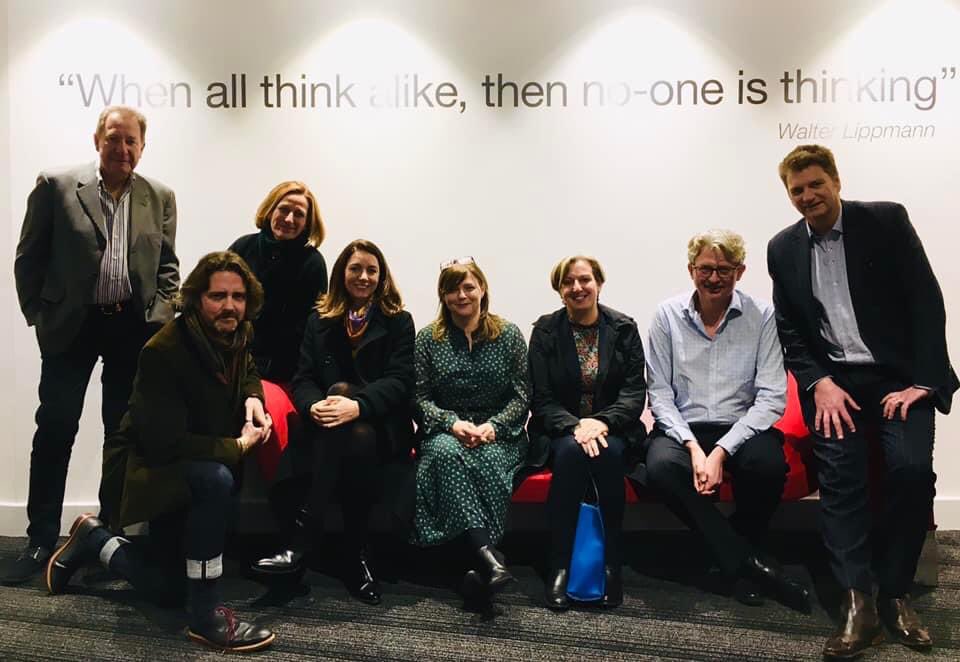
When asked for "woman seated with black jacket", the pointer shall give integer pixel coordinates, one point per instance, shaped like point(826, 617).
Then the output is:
point(353, 388)
point(586, 364)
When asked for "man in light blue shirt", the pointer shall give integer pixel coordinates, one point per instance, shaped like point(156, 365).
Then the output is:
point(717, 385)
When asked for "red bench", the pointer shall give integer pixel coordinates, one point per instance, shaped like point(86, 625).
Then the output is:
point(797, 447)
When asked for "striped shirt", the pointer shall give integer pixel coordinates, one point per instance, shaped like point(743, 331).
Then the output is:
point(113, 283)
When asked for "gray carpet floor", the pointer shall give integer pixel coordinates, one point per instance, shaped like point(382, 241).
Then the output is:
point(673, 609)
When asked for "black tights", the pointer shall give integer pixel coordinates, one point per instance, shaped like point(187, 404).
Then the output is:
point(572, 471)
point(346, 459)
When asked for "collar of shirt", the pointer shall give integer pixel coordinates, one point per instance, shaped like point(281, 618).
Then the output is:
point(132, 178)
point(692, 315)
point(837, 228)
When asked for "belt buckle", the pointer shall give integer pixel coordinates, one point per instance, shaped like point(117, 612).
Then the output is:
point(110, 309)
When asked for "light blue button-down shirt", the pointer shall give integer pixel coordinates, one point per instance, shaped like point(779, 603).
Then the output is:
point(735, 378)
point(828, 278)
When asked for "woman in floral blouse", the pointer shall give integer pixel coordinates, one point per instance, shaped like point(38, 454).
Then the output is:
point(472, 395)
point(586, 364)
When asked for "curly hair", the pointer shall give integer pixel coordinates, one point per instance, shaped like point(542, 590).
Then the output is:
point(198, 282)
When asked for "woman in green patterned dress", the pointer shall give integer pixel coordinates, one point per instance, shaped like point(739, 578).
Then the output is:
point(471, 396)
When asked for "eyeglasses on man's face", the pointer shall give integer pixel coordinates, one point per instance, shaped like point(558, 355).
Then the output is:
point(706, 271)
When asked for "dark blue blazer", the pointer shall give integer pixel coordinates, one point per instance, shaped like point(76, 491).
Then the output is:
point(896, 300)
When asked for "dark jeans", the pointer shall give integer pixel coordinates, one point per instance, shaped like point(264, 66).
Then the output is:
point(156, 569)
point(908, 486)
point(117, 339)
point(759, 471)
point(572, 470)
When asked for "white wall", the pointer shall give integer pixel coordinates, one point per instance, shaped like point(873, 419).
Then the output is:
point(517, 188)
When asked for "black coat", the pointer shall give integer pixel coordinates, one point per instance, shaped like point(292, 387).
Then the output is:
point(179, 411)
point(383, 369)
point(293, 275)
point(620, 391)
point(896, 299)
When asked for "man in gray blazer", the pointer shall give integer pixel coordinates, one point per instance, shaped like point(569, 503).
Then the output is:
point(95, 271)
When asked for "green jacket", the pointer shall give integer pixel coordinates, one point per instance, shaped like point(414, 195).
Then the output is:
point(179, 411)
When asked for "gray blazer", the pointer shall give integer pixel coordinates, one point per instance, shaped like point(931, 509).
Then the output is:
point(61, 243)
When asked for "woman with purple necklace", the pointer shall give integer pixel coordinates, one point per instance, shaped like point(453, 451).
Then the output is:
point(353, 388)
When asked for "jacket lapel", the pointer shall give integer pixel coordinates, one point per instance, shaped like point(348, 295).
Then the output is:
point(605, 345)
point(801, 258)
point(90, 202)
point(376, 328)
point(567, 349)
point(855, 252)
point(139, 209)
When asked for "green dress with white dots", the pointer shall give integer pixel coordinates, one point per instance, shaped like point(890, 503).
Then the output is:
point(461, 488)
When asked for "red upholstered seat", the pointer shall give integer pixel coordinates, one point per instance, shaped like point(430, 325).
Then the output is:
point(535, 488)
point(278, 404)
point(797, 449)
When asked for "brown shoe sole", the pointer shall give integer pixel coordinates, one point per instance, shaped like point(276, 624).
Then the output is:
point(53, 557)
point(249, 648)
point(877, 640)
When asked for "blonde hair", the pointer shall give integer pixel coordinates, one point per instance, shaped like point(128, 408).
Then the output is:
point(490, 325)
point(726, 241)
point(316, 231)
point(560, 269)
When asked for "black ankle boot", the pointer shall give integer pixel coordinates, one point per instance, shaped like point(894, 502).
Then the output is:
point(363, 584)
point(494, 569)
point(613, 592)
point(555, 590)
point(293, 558)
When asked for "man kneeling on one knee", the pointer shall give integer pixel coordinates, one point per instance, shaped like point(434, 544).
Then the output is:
point(196, 410)
point(717, 385)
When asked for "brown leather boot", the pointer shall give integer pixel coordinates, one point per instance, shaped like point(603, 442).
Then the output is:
point(859, 626)
point(903, 623)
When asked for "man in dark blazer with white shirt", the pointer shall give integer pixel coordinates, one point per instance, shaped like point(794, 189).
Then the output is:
point(95, 272)
point(861, 319)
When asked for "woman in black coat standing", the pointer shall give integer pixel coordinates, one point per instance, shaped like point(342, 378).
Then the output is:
point(353, 388)
point(586, 365)
point(284, 257)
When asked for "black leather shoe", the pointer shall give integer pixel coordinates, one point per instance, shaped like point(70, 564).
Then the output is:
point(285, 562)
point(293, 559)
point(859, 627)
point(904, 623)
point(72, 555)
point(781, 587)
point(555, 591)
point(230, 635)
point(613, 591)
point(746, 592)
point(366, 587)
point(26, 566)
point(494, 568)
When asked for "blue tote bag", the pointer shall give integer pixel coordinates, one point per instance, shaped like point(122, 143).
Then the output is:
point(586, 581)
